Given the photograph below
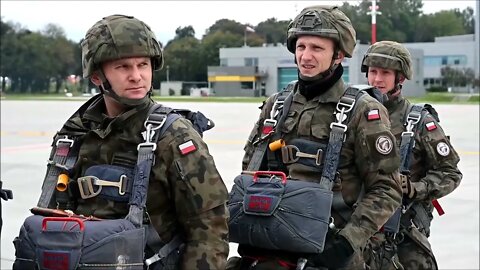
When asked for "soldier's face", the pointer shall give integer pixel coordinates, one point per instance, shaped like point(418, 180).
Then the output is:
point(381, 78)
point(314, 55)
point(129, 77)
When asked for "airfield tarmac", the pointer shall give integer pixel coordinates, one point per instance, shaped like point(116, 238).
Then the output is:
point(27, 128)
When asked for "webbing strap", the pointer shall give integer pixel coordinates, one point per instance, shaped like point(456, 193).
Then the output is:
point(62, 161)
point(408, 139)
point(392, 226)
point(337, 136)
point(155, 125)
point(270, 126)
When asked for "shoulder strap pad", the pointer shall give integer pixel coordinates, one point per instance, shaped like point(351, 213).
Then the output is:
point(432, 111)
point(290, 86)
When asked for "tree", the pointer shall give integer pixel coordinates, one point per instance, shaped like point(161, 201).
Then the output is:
point(182, 32)
point(457, 77)
point(272, 31)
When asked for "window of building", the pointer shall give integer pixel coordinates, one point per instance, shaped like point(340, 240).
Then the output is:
point(444, 60)
point(346, 74)
point(246, 85)
point(223, 62)
point(425, 81)
point(251, 61)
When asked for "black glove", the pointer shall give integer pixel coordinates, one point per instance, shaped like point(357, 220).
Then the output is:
point(335, 255)
point(5, 194)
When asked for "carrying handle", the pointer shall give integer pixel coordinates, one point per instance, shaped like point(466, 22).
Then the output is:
point(65, 219)
point(278, 173)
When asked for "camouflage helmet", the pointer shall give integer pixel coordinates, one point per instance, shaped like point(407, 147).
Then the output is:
point(323, 21)
point(119, 36)
point(388, 55)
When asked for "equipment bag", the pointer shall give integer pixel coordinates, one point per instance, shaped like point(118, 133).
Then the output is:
point(267, 211)
point(67, 243)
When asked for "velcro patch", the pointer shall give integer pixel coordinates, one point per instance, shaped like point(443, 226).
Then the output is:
point(58, 260)
point(431, 126)
point(373, 115)
point(384, 145)
point(187, 147)
point(443, 149)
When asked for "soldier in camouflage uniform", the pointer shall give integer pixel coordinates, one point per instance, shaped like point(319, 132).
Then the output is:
point(186, 194)
point(433, 163)
point(367, 179)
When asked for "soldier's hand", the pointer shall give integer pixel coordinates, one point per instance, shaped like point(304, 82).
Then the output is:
point(407, 187)
point(335, 255)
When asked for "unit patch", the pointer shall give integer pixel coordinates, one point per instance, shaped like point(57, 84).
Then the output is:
point(373, 115)
point(430, 126)
point(187, 147)
point(443, 149)
point(384, 145)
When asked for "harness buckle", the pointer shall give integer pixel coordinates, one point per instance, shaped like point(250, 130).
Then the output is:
point(64, 140)
point(412, 119)
point(345, 104)
point(338, 125)
point(85, 185)
point(291, 154)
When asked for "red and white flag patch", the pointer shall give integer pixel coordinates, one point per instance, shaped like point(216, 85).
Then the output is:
point(187, 147)
point(430, 126)
point(373, 115)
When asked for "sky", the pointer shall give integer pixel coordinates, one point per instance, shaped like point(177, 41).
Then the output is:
point(164, 17)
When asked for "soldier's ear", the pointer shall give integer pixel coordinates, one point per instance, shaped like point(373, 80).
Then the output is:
point(339, 57)
point(96, 79)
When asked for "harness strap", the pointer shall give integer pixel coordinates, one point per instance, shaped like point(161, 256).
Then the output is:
point(62, 161)
point(270, 125)
point(156, 119)
point(337, 136)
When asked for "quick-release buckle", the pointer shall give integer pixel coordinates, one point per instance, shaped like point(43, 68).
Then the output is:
point(64, 140)
point(268, 126)
point(412, 119)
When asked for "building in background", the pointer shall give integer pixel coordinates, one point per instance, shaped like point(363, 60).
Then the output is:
point(262, 71)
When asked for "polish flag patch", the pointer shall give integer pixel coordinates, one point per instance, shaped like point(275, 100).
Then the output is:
point(187, 147)
point(430, 126)
point(373, 115)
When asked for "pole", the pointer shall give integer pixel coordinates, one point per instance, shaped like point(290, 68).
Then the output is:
point(245, 37)
point(374, 21)
point(168, 73)
point(373, 11)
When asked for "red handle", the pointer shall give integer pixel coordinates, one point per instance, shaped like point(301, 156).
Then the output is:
point(65, 219)
point(281, 174)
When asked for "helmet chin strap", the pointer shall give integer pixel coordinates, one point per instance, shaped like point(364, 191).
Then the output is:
point(106, 89)
point(396, 89)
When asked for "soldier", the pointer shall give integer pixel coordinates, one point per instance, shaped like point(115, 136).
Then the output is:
point(186, 195)
point(366, 182)
point(432, 171)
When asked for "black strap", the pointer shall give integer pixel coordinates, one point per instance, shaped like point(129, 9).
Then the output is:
point(155, 127)
point(344, 108)
point(63, 160)
point(414, 116)
point(279, 111)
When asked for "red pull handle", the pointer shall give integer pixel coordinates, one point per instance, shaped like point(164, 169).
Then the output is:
point(65, 219)
point(278, 173)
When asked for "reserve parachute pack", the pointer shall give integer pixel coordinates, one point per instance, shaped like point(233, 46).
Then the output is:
point(57, 239)
point(269, 210)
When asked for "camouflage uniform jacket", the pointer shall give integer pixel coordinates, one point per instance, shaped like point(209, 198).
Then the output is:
point(361, 164)
point(186, 193)
point(433, 167)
